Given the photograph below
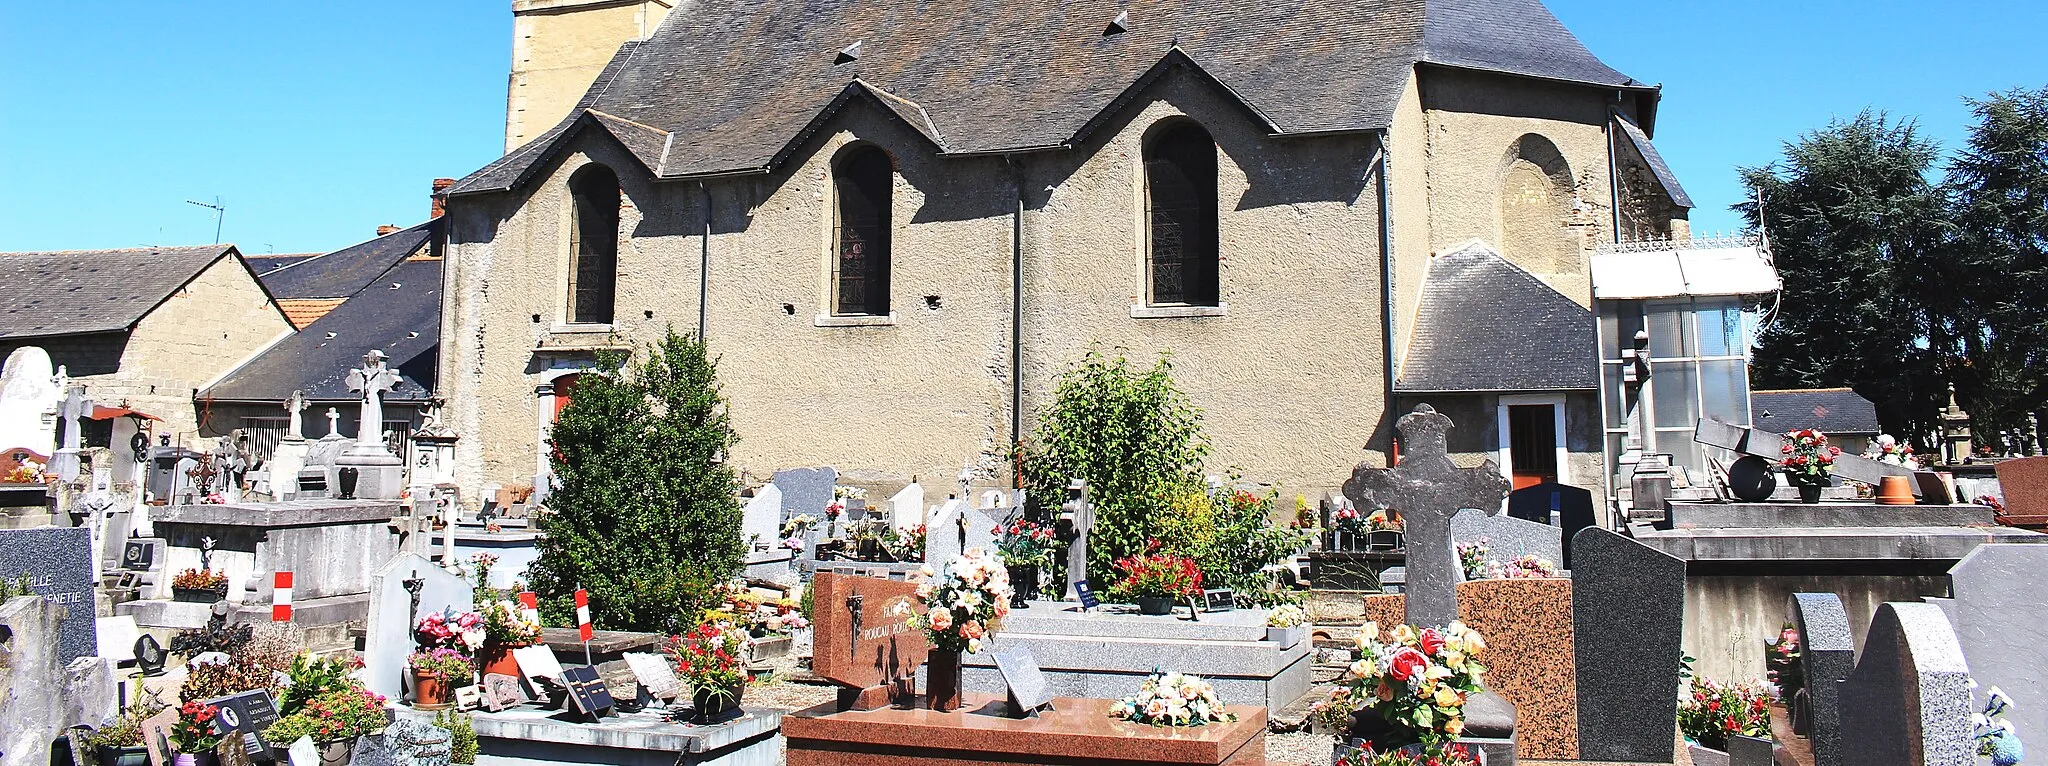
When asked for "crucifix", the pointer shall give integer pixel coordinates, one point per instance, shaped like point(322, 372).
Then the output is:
point(295, 431)
point(372, 381)
point(413, 585)
point(1077, 517)
point(1428, 489)
point(853, 606)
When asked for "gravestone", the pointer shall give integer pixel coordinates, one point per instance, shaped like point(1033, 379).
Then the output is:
point(1908, 700)
point(538, 662)
point(408, 586)
point(1507, 537)
point(955, 530)
point(862, 640)
point(1027, 688)
point(806, 490)
point(502, 691)
point(2024, 482)
point(381, 474)
point(655, 675)
point(1427, 489)
point(406, 742)
point(28, 392)
point(2000, 619)
point(1075, 523)
point(761, 520)
point(1573, 506)
point(1750, 751)
point(1628, 618)
point(906, 507)
point(58, 562)
point(1826, 655)
point(117, 636)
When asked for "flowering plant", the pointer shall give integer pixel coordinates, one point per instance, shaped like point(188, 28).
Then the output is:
point(1417, 683)
point(510, 623)
point(1172, 699)
point(964, 601)
point(1287, 616)
point(1715, 711)
point(1448, 755)
point(1024, 543)
point(1347, 519)
point(341, 714)
point(193, 733)
point(840, 495)
point(1808, 460)
point(441, 661)
point(214, 498)
point(1472, 557)
point(200, 579)
point(1997, 508)
point(480, 565)
point(1525, 568)
point(1895, 452)
point(1995, 736)
point(1781, 660)
point(713, 657)
point(797, 525)
point(1157, 575)
point(1384, 520)
point(462, 631)
point(905, 544)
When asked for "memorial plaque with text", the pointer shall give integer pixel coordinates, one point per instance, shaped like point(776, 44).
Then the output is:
point(1029, 690)
point(861, 633)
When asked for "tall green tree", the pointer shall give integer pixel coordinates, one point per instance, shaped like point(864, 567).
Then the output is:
point(1858, 231)
point(1999, 325)
point(645, 513)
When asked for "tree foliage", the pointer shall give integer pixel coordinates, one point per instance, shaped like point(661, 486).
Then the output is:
point(1899, 283)
point(644, 514)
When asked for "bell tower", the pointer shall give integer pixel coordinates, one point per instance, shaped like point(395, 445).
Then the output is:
point(558, 47)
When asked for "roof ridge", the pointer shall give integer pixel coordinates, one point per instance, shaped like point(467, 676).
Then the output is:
point(634, 123)
point(149, 249)
point(344, 248)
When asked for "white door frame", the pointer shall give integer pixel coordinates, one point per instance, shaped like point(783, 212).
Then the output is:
point(1503, 446)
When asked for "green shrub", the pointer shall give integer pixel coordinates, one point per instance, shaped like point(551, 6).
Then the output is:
point(462, 735)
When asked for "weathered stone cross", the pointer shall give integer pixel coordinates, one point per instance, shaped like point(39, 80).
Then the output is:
point(1428, 489)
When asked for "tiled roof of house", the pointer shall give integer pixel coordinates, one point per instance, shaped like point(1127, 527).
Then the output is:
point(1484, 324)
point(1832, 410)
point(734, 86)
point(86, 291)
point(269, 262)
point(399, 311)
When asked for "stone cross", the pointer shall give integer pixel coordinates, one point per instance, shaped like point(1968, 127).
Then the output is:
point(372, 381)
point(1077, 517)
point(333, 422)
point(1428, 489)
point(296, 431)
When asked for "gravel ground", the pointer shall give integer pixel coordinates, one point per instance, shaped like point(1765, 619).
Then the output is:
point(1298, 748)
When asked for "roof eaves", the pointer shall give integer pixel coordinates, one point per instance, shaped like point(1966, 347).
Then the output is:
point(1175, 57)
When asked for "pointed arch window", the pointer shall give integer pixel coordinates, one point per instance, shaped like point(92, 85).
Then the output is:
point(593, 244)
point(862, 181)
point(1180, 211)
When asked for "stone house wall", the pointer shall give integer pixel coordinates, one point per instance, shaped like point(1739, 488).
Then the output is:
point(213, 324)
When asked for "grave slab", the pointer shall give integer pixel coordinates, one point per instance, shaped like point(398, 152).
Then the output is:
point(980, 733)
point(1827, 655)
point(1529, 658)
point(1696, 515)
point(1628, 618)
point(943, 538)
point(2024, 482)
point(60, 567)
point(1908, 701)
point(1997, 591)
point(761, 519)
point(530, 736)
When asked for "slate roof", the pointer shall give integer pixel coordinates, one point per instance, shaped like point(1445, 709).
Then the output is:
point(1651, 157)
point(404, 321)
point(1832, 410)
point(87, 291)
point(1484, 324)
point(269, 262)
point(344, 272)
point(732, 87)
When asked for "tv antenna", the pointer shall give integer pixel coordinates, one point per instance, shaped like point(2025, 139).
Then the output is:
point(220, 211)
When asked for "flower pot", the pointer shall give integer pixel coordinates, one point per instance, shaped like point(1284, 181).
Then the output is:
point(1706, 756)
point(1809, 494)
point(431, 691)
point(942, 681)
point(1023, 585)
point(338, 752)
point(1155, 605)
point(1383, 540)
point(1895, 490)
point(716, 705)
point(1338, 750)
point(195, 759)
point(497, 658)
point(111, 755)
point(199, 595)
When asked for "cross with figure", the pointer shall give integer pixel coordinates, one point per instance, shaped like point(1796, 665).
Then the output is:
point(372, 381)
point(1428, 489)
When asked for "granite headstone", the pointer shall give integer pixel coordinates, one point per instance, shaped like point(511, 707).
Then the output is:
point(2000, 619)
point(1628, 619)
point(2024, 482)
point(1826, 655)
point(1908, 701)
point(806, 490)
point(1427, 489)
point(58, 562)
point(860, 632)
point(1028, 689)
point(1508, 538)
point(406, 742)
point(387, 638)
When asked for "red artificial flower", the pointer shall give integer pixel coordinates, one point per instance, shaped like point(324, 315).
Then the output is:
point(1432, 641)
point(1406, 663)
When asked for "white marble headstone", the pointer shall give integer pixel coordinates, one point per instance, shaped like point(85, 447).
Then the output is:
point(906, 507)
point(763, 516)
point(942, 538)
point(28, 392)
point(537, 662)
point(655, 674)
point(117, 636)
point(388, 631)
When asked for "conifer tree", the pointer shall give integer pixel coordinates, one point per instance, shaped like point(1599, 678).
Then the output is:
point(644, 514)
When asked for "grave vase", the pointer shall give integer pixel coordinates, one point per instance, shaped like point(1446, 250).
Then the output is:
point(942, 681)
point(431, 691)
point(1155, 605)
point(716, 705)
point(1023, 585)
point(1809, 494)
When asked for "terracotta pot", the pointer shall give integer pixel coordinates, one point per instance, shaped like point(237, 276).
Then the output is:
point(1895, 490)
point(716, 705)
point(497, 658)
point(942, 681)
point(1809, 494)
point(431, 691)
point(1155, 605)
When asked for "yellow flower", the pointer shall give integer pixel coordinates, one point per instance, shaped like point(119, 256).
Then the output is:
point(1474, 643)
point(1404, 634)
point(1454, 659)
point(1446, 697)
point(1365, 669)
point(1368, 632)
point(1454, 727)
point(1437, 673)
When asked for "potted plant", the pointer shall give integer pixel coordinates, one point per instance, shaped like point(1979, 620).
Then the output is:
point(965, 602)
point(712, 659)
point(1808, 462)
point(435, 674)
point(1155, 581)
point(1346, 526)
point(333, 719)
point(1025, 548)
point(1713, 713)
point(1285, 624)
point(1172, 699)
point(1410, 690)
point(1385, 525)
point(508, 625)
point(1413, 755)
point(199, 586)
point(192, 736)
point(119, 743)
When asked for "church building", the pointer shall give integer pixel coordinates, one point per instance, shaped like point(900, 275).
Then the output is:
point(897, 223)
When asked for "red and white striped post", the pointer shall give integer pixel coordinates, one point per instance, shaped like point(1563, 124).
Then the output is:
point(281, 597)
point(583, 624)
point(529, 599)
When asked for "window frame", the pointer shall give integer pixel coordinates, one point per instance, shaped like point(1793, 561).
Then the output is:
point(1690, 309)
point(1200, 260)
point(586, 181)
point(878, 271)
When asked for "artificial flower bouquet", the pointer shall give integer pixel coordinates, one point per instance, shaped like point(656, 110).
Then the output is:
point(1807, 459)
point(510, 623)
point(1895, 452)
point(461, 631)
point(1418, 683)
point(1996, 739)
point(442, 662)
point(1384, 520)
point(905, 544)
point(193, 732)
point(1287, 616)
point(1447, 755)
point(713, 657)
point(1781, 662)
point(1172, 699)
point(1348, 519)
point(1715, 711)
point(1025, 544)
point(1527, 567)
point(797, 525)
point(1157, 575)
point(1472, 557)
point(200, 579)
point(964, 601)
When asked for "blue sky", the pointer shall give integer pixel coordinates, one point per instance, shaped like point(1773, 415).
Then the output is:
point(317, 121)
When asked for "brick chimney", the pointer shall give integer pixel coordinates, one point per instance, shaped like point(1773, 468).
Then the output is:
point(440, 196)
point(386, 229)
